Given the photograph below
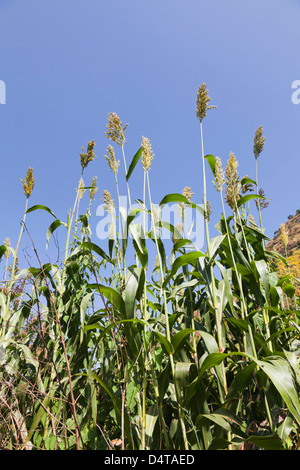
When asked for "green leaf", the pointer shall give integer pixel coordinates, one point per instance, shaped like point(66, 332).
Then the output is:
point(83, 307)
point(217, 419)
point(262, 268)
point(184, 285)
point(180, 337)
point(228, 290)
point(241, 380)
point(84, 220)
point(131, 216)
point(183, 260)
point(114, 297)
point(223, 418)
point(285, 428)
point(174, 197)
point(180, 243)
point(246, 198)
point(288, 289)
point(151, 419)
point(132, 284)
point(219, 444)
point(163, 381)
point(247, 180)
point(138, 236)
point(280, 373)
point(182, 377)
point(212, 162)
point(38, 415)
point(270, 442)
point(3, 249)
point(50, 442)
point(131, 392)
point(117, 403)
point(215, 243)
point(57, 223)
point(212, 360)
point(2, 305)
point(133, 163)
point(96, 249)
point(167, 346)
point(161, 248)
point(38, 206)
point(238, 322)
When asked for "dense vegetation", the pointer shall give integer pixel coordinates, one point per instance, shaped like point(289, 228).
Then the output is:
point(141, 343)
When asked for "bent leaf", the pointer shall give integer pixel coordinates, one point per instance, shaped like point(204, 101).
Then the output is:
point(133, 163)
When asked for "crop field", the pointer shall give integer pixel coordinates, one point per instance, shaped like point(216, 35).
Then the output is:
point(142, 341)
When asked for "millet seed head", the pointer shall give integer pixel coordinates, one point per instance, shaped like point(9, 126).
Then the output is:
point(187, 192)
point(219, 175)
point(284, 235)
point(88, 156)
point(208, 211)
point(112, 162)
point(259, 142)
point(202, 102)
point(7, 244)
point(94, 187)
point(233, 184)
point(108, 201)
point(252, 222)
point(28, 182)
point(178, 232)
point(81, 188)
point(115, 129)
point(147, 154)
point(261, 203)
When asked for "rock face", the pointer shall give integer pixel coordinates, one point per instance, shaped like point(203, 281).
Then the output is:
point(292, 226)
point(291, 252)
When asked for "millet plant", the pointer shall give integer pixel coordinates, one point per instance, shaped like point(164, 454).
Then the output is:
point(117, 348)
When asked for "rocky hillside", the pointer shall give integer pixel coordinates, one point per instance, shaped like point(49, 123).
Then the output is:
point(292, 226)
point(291, 252)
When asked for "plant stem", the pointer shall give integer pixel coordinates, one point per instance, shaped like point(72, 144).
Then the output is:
point(243, 304)
point(168, 333)
point(143, 440)
point(256, 181)
point(12, 275)
point(214, 296)
point(218, 318)
point(125, 166)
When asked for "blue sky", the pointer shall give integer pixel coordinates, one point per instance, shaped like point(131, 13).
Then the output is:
point(68, 63)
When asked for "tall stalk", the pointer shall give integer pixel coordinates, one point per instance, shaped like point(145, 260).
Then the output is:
point(28, 185)
point(232, 181)
point(201, 110)
point(144, 390)
point(258, 146)
point(168, 332)
point(127, 184)
point(244, 308)
point(214, 294)
point(258, 202)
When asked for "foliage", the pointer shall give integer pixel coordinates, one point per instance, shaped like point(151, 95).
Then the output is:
point(119, 348)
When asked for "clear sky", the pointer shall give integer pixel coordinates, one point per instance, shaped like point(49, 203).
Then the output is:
point(67, 63)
